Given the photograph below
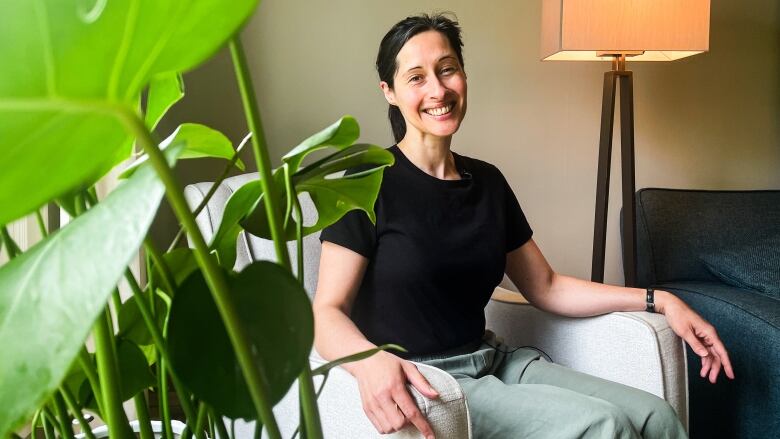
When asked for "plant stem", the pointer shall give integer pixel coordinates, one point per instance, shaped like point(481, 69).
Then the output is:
point(166, 412)
point(34, 425)
point(70, 401)
point(89, 370)
point(260, 149)
point(221, 430)
point(116, 300)
point(10, 245)
point(66, 429)
point(48, 428)
point(308, 400)
point(200, 420)
point(212, 189)
point(144, 423)
point(159, 343)
point(214, 275)
point(109, 374)
point(167, 276)
point(41, 223)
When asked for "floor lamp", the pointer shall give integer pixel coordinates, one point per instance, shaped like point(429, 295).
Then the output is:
point(616, 31)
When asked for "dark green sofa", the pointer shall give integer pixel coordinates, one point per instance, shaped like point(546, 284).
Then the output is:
point(680, 232)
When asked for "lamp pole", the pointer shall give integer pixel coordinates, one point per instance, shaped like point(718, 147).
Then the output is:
point(627, 169)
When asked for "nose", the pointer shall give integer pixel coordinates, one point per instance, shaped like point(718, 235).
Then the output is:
point(436, 88)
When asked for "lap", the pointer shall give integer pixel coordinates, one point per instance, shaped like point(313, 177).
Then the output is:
point(520, 392)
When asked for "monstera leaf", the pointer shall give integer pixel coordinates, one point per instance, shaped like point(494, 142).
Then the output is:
point(51, 294)
point(276, 315)
point(345, 180)
point(199, 141)
point(164, 91)
point(73, 69)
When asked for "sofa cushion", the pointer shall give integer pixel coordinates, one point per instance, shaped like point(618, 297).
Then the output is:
point(749, 326)
point(754, 265)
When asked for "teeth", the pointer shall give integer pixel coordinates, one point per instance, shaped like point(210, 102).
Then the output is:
point(439, 111)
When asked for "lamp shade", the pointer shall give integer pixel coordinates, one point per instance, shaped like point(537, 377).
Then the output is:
point(645, 30)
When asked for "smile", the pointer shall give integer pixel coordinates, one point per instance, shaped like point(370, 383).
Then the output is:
point(439, 111)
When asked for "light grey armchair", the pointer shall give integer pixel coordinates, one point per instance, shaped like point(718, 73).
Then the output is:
point(634, 348)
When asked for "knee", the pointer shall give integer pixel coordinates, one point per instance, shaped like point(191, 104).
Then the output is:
point(662, 421)
point(608, 420)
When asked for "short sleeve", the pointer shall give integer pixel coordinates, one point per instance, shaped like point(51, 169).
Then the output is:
point(354, 231)
point(518, 231)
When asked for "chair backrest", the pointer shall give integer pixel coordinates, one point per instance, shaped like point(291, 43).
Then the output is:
point(675, 227)
point(251, 248)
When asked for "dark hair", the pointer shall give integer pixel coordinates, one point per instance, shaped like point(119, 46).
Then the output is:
point(395, 39)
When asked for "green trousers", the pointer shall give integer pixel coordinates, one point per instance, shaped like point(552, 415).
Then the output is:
point(519, 394)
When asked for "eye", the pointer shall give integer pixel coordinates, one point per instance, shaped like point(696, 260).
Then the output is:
point(448, 70)
point(415, 78)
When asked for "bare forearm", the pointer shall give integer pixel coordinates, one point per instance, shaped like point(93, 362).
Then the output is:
point(574, 297)
point(336, 336)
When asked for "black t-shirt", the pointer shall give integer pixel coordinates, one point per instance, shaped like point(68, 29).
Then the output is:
point(436, 253)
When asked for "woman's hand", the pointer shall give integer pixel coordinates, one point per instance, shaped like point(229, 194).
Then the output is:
point(698, 333)
point(382, 381)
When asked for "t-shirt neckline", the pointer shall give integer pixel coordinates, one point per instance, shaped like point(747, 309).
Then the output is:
point(459, 164)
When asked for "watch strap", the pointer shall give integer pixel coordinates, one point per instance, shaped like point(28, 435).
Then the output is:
point(650, 300)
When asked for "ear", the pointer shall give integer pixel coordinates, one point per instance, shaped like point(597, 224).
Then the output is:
point(388, 92)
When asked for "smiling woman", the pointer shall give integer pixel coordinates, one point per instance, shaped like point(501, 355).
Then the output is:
point(447, 229)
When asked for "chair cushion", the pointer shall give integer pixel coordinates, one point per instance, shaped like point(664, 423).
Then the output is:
point(754, 265)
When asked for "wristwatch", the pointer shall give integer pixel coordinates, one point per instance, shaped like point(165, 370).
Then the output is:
point(650, 300)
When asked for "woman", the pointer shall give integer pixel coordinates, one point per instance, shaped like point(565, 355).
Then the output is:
point(448, 227)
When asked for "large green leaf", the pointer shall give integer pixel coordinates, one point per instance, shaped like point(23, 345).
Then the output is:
point(200, 141)
point(133, 369)
point(132, 326)
point(339, 135)
point(51, 294)
point(164, 91)
point(275, 313)
point(240, 204)
point(134, 373)
point(346, 180)
point(181, 262)
point(70, 65)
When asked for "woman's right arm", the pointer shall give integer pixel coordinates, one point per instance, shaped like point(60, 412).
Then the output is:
point(382, 377)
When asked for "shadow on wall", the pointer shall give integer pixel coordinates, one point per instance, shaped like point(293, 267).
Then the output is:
point(729, 96)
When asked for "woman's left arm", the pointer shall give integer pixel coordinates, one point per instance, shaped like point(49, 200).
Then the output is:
point(572, 297)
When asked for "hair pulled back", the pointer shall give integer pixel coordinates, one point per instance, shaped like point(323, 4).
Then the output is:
point(396, 38)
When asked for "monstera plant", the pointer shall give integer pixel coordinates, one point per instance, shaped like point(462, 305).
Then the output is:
point(83, 85)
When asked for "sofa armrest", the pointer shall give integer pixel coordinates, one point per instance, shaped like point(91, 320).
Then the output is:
point(633, 348)
point(341, 410)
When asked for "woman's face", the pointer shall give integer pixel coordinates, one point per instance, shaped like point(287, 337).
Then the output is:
point(429, 86)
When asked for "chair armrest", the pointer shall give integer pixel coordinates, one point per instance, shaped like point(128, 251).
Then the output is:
point(341, 410)
point(633, 348)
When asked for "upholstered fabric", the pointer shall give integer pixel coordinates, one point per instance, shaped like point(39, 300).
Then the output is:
point(633, 348)
point(675, 227)
point(753, 265)
point(749, 325)
point(636, 349)
point(678, 232)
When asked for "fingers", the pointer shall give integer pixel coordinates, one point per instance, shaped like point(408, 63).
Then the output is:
point(706, 362)
point(724, 356)
point(715, 368)
point(412, 413)
point(374, 413)
point(392, 413)
point(696, 345)
point(418, 380)
point(704, 336)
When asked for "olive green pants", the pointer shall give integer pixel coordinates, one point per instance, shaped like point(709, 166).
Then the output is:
point(519, 394)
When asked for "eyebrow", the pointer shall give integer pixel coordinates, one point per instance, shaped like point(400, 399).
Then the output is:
point(438, 60)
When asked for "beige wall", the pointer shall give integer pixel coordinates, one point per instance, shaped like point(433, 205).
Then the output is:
point(710, 121)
